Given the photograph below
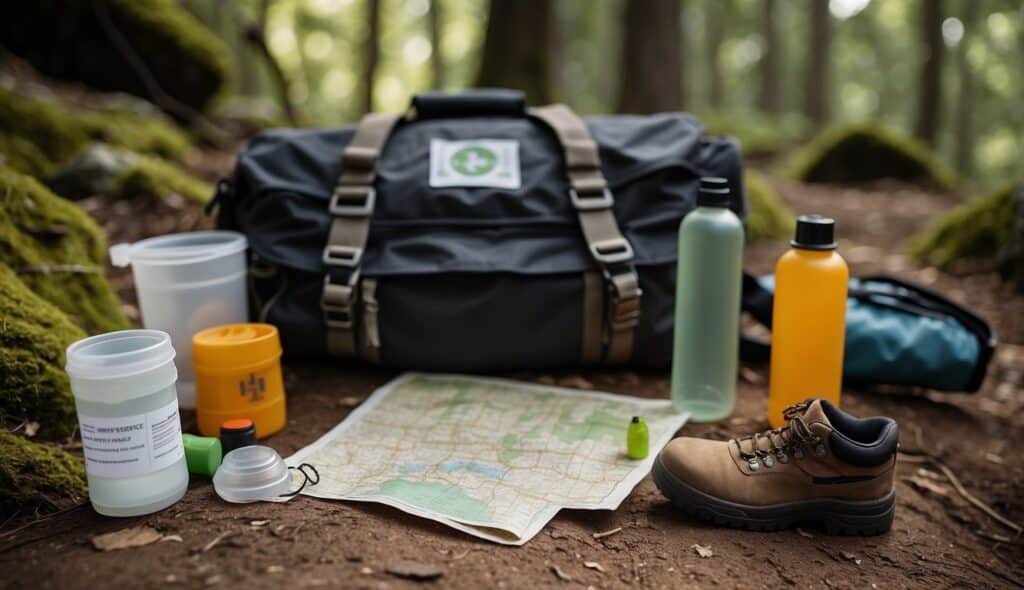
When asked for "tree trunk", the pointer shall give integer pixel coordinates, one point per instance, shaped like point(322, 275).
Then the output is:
point(770, 98)
point(965, 104)
point(371, 54)
point(651, 67)
point(713, 37)
point(929, 100)
point(517, 48)
point(436, 19)
point(818, 84)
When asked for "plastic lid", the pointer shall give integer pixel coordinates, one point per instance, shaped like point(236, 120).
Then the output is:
point(814, 232)
point(235, 346)
point(250, 474)
point(176, 249)
point(119, 354)
point(202, 454)
point(713, 192)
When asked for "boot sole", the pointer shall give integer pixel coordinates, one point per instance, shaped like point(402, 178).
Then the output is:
point(837, 517)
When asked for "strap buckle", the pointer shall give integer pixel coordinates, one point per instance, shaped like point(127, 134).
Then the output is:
point(336, 302)
point(626, 294)
point(612, 251)
point(589, 202)
point(352, 201)
point(338, 255)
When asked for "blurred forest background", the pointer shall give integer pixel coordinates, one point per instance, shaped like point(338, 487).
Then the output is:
point(770, 71)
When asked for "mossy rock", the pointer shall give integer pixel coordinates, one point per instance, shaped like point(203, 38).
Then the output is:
point(866, 151)
point(155, 177)
point(980, 229)
point(47, 125)
point(147, 134)
point(58, 251)
point(22, 155)
point(38, 477)
point(187, 60)
point(768, 216)
point(33, 384)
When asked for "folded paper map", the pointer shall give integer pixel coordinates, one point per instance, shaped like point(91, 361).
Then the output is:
point(494, 458)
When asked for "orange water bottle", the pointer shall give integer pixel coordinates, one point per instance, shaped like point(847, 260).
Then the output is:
point(808, 319)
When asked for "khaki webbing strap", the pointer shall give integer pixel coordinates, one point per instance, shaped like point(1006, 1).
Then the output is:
point(593, 313)
point(589, 193)
point(370, 334)
point(351, 207)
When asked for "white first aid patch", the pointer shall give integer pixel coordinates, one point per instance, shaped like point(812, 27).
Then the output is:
point(132, 445)
point(475, 162)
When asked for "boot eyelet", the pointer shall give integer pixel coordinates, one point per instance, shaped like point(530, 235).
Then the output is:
point(819, 451)
point(783, 457)
point(768, 462)
point(753, 464)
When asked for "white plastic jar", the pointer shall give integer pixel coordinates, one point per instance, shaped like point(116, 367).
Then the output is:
point(123, 383)
point(186, 283)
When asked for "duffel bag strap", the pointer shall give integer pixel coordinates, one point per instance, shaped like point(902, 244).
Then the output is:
point(351, 207)
point(593, 201)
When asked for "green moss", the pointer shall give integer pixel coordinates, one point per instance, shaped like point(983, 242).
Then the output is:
point(139, 133)
point(22, 155)
point(33, 337)
point(186, 59)
point(866, 151)
point(980, 228)
point(58, 251)
point(38, 477)
point(46, 124)
point(156, 177)
point(768, 216)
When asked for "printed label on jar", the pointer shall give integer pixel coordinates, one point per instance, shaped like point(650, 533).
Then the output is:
point(132, 445)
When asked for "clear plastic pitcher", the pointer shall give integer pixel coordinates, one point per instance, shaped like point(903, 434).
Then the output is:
point(186, 283)
point(123, 384)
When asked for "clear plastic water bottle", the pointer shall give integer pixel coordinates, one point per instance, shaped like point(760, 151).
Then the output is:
point(708, 287)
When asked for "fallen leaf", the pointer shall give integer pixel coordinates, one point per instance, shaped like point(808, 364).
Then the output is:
point(31, 428)
point(125, 538)
point(561, 575)
point(927, 485)
point(414, 570)
point(594, 566)
point(703, 551)
point(575, 382)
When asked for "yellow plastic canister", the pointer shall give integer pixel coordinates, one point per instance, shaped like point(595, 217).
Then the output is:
point(238, 375)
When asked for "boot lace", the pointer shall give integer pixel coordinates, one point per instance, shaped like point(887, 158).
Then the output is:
point(784, 442)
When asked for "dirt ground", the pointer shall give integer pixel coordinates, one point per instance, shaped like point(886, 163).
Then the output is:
point(938, 540)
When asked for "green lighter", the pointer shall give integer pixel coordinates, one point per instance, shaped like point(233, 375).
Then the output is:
point(637, 439)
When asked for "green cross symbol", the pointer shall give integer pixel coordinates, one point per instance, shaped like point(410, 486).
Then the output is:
point(474, 161)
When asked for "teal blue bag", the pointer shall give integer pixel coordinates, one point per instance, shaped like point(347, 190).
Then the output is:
point(897, 333)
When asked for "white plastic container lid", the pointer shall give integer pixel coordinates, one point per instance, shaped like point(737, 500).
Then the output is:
point(179, 249)
point(251, 474)
point(119, 354)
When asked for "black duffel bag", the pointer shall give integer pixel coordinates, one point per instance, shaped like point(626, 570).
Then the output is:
point(473, 233)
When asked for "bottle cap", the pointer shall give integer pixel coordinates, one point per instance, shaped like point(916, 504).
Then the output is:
point(202, 454)
point(814, 232)
point(713, 192)
point(250, 474)
point(238, 433)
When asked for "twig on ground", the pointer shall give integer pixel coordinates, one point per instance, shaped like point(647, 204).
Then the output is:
point(924, 457)
point(617, 529)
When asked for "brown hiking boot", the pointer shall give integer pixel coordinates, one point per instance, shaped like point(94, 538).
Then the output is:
point(824, 467)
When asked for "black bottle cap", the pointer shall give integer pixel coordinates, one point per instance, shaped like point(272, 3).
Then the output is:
point(814, 232)
point(713, 192)
point(237, 433)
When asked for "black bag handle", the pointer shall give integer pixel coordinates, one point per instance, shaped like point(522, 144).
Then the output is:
point(480, 102)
